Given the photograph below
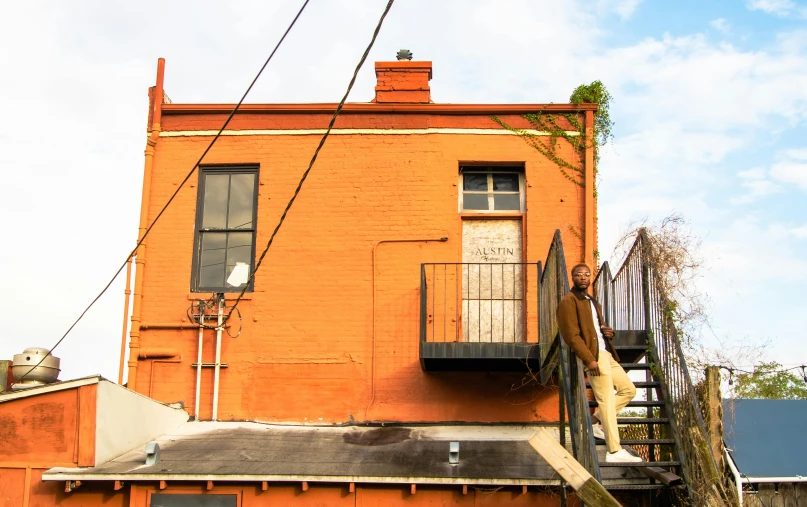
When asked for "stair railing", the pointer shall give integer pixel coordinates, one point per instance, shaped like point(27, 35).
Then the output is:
point(556, 357)
point(634, 300)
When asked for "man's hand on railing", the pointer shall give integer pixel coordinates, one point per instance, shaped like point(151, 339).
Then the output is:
point(607, 332)
point(593, 369)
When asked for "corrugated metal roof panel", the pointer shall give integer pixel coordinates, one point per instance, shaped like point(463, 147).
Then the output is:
point(767, 437)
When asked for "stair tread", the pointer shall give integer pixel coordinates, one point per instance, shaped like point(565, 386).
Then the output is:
point(637, 384)
point(635, 366)
point(642, 464)
point(637, 403)
point(642, 420)
point(644, 441)
point(629, 487)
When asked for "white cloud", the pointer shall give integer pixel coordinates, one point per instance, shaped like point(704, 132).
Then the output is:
point(781, 8)
point(796, 154)
point(721, 25)
point(626, 8)
point(800, 232)
point(790, 172)
point(757, 183)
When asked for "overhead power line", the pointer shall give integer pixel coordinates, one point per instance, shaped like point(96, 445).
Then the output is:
point(313, 157)
point(171, 199)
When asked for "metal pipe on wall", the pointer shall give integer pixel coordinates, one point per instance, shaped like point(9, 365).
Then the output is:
point(372, 346)
point(217, 369)
point(140, 254)
point(126, 292)
point(738, 483)
point(199, 363)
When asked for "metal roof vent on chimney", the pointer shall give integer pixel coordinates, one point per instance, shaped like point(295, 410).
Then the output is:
point(404, 54)
point(403, 81)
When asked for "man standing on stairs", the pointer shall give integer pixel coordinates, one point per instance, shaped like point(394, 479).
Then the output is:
point(581, 326)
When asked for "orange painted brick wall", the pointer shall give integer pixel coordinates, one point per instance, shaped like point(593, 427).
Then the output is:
point(364, 495)
point(305, 353)
point(39, 432)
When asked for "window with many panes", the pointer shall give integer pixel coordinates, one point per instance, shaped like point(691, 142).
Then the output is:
point(224, 248)
point(492, 189)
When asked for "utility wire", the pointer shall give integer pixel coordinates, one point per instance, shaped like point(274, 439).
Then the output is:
point(731, 370)
point(187, 177)
point(313, 158)
point(761, 370)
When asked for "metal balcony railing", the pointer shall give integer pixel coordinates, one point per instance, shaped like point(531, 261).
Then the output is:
point(479, 302)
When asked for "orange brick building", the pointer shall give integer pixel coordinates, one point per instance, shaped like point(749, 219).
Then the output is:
point(396, 306)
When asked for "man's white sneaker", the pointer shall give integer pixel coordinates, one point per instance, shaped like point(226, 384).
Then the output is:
point(622, 456)
point(597, 431)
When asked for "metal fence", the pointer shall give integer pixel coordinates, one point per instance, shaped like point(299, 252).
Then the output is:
point(633, 300)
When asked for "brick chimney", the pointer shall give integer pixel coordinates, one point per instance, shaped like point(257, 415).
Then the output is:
point(403, 82)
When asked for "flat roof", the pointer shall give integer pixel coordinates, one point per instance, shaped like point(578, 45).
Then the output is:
point(49, 388)
point(766, 437)
point(231, 451)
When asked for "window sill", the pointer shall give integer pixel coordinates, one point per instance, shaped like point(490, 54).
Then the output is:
point(228, 296)
point(493, 214)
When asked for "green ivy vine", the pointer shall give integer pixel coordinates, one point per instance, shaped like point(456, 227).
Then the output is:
point(573, 133)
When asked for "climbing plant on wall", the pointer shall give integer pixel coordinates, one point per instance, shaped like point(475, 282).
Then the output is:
point(555, 129)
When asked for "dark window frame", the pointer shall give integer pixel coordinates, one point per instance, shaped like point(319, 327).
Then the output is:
point(199, 231)
point(192, 498)
point(490, 170)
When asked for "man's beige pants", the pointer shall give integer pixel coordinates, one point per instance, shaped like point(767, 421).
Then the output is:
point(611, 378)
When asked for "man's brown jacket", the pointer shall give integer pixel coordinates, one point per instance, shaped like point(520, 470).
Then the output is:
point(577, 327)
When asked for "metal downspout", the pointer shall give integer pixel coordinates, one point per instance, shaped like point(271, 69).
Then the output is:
point(126, 293)
point(140, 254)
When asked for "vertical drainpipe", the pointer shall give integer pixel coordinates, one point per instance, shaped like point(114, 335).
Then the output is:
point(126, 293)
point(588, 180)
point(140, 255)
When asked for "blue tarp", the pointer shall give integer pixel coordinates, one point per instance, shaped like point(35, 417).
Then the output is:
point(767, 438)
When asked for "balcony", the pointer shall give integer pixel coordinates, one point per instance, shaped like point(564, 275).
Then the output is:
point(480, 317)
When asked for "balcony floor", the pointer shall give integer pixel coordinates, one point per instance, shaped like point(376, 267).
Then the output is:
point(479, 356)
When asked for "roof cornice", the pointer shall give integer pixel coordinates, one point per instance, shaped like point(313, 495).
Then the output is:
point(371, 108)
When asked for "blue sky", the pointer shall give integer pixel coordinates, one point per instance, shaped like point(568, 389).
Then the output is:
point(710, 105)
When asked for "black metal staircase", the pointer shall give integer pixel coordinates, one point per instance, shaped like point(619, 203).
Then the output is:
point(669, 432)
point(646, 434)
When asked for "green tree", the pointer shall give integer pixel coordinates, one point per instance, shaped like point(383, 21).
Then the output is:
point(770, 381)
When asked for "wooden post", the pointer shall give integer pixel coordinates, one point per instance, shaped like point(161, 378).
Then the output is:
point(588, 489)
point(713, 413)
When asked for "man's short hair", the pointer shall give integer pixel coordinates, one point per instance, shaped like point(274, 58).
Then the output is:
point(580, 265)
